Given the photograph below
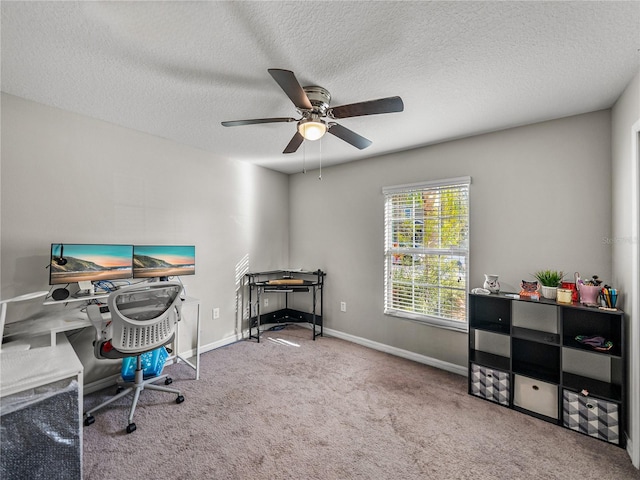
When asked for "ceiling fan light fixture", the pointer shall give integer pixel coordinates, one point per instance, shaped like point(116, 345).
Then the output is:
point(312, 129)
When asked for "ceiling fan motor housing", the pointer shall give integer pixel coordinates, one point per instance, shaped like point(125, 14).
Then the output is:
point(319, 98)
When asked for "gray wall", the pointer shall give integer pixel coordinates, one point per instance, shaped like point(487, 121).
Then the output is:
point(70, 178)
point(624, 241)
point(540, 198)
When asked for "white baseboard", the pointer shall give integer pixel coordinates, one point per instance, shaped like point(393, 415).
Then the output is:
point(630, 450)
point(212, 346)
point(416, 357)
point(100, 384)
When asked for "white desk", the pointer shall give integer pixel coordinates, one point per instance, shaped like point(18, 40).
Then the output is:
point(55, 322)
point(50, 323)
point(189, 302)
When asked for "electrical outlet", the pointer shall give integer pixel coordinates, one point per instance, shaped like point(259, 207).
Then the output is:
point(343, 306)
point(266, 302)
point(216, 313)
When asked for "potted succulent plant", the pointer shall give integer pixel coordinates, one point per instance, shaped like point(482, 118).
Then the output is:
point(549, 279)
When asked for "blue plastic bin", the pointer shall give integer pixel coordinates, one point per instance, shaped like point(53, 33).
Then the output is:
point(152, 364)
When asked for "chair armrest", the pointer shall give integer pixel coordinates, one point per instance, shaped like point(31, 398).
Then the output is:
point(102, 327)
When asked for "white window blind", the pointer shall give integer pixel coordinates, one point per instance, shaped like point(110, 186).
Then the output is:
point(427, 251)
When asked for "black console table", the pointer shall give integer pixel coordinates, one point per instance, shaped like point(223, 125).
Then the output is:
point(285, 282)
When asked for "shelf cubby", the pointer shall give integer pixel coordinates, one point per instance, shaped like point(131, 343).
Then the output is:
point(597, 388)
point(535, 359)
point(491, 314)
point(535, 336)
point(489, 360)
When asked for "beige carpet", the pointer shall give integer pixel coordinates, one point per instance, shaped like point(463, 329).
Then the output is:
point(331, 409)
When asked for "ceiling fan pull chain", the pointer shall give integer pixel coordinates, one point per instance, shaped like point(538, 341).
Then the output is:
point(304, 157)
point(320, 176)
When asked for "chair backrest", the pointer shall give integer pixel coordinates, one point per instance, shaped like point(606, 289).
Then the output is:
point(143, 317)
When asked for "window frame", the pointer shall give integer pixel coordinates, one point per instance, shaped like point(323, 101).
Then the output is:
point(390, 251)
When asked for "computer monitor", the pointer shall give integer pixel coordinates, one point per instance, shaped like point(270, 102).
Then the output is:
point(72, 262)
point(151, 261)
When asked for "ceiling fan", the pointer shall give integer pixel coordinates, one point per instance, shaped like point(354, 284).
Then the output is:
point(312, 103)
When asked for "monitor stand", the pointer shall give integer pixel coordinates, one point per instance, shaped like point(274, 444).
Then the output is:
point(86, 288)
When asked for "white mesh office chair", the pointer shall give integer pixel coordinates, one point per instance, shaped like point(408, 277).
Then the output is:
point(143, 318)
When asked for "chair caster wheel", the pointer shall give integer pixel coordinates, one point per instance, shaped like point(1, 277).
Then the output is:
point(168, 381)
point(89, 420)
point(180, 399)
point(131, 428)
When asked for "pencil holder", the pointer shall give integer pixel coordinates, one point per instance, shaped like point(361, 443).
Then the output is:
point(609, 297)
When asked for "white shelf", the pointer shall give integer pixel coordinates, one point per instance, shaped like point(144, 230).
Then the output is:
point(50, 323)
point(23, 370)
point(84, 298)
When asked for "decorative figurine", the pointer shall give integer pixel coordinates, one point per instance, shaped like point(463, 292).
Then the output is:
point(491, 283)
point(530, 290)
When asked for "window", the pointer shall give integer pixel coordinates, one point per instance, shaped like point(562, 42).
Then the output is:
point(427, 252)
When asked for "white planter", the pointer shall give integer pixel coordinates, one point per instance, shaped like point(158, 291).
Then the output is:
point(549, 292)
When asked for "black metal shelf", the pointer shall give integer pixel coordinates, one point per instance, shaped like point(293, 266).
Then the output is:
point(285, 282)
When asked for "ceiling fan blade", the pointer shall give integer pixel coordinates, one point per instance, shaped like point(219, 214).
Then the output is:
point(295, 142)
point(288, 82)
point(372, 107)
point(235, 123)
point(349, 136)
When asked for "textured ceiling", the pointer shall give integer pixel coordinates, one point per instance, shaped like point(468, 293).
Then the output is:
point(177, 69)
